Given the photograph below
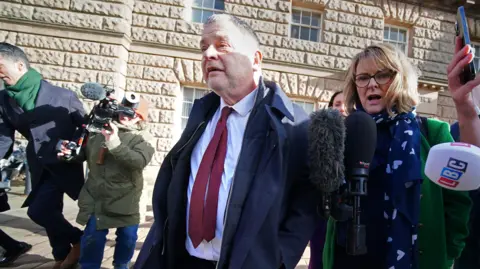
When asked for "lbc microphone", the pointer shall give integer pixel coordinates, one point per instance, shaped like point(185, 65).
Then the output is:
point(454, 166)
point(360, 144)
point(93, 91)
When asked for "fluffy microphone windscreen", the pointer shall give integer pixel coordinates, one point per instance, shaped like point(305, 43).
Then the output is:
point(93, 91)
point(326, 138)
point(361, 140)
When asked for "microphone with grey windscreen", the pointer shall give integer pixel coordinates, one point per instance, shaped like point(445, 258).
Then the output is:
point(93, 91)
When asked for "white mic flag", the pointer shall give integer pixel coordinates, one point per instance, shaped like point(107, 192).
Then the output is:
point(454, 166)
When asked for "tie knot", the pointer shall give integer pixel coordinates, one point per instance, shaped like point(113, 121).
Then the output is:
point(225, 113)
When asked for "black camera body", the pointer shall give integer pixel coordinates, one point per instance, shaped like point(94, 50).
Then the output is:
point(104, 112)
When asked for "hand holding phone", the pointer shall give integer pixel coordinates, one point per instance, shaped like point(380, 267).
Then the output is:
point(462, 31)
point(461, 71)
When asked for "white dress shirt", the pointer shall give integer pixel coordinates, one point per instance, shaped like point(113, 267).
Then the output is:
point(236, 124)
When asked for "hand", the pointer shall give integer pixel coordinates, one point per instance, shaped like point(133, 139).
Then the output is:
point(110, 134)
point(64, 152)
point(461, 92)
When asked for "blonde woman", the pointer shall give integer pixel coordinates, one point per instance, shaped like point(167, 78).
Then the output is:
point(411, 222)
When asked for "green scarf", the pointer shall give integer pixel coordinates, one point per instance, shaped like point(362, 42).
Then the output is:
point(25, 91)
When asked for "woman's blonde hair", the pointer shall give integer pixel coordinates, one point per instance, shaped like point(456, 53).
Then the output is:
point(402, 93)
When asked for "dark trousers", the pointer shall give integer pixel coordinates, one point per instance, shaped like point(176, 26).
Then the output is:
point(46, 210)
point(8, 243)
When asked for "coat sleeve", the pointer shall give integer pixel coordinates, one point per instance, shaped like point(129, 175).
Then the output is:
point(303, 197)
point(7, 134)
point(77, 112)
point(457, 206)
point(135, 157)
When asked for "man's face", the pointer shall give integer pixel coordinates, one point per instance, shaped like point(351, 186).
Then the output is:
point(11, 71)
point(229, 58)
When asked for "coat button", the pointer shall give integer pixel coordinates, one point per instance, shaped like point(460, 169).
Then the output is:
point(420, 252)
point(421, 196)
point(420, 225)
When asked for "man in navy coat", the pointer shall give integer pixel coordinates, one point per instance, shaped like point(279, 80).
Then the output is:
point(234, 191)
point(43, 114)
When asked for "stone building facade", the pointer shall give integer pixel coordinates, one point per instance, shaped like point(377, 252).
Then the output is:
point(152, 47)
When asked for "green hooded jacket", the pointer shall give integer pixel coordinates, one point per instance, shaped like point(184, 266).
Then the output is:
point(113, 189)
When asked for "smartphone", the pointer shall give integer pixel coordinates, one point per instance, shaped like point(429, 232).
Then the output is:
point(461, 28)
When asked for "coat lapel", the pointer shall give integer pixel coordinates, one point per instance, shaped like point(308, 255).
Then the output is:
point(262, 181)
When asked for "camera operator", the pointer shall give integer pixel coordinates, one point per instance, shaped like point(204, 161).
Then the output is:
point(43, 114)
point(110, 197)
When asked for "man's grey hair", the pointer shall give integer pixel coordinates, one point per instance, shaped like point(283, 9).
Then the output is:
point(240, 24)
point(13, 53)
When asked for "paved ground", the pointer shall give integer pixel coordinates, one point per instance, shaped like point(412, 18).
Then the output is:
point(17, 224)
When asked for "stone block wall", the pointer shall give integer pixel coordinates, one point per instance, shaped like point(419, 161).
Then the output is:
point(151, 47)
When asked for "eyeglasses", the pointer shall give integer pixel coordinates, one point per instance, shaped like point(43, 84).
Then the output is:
point(381, 77)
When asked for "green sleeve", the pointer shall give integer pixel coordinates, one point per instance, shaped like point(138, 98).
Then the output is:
point(457, 204)
point(135, 157)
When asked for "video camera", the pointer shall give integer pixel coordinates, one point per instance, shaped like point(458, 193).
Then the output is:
point(101, 114)
point(108, 108)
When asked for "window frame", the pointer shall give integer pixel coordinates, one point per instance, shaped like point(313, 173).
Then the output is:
point(301, 100)
point(215, 11)
point(407, 36)
point(195, 88)
point(319, 28)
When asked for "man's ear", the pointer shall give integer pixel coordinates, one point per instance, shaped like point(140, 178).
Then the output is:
point(257, 60)
point(21, 66)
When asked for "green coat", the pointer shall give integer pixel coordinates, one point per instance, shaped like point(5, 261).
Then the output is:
point(443, 215)
point(113, 189)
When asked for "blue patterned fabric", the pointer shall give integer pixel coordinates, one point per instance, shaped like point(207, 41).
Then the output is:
point(402, 196)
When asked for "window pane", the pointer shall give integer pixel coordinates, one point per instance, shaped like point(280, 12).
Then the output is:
point(294, 31)
point(296, 16)
point(184, 123)
point(304, 33)
point(314, 35)
point(308, 107)
point(402, 36)
point(385, 33)
point(315, 19)
point(219, 4)
point(187, 107)
point(206, 15)
point(197, 3)
point(199, 93)
point(477, 64)
point(196, 15)
point(306, 16)
point(188, 95)
point(208, 3)
point(394, 34)
point(403, 48)
point(477, 50)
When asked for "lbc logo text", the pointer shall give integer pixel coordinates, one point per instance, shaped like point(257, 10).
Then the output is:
point(452, 172)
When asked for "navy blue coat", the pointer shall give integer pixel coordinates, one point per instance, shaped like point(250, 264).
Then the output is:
point(271, 213)
point(57, 114)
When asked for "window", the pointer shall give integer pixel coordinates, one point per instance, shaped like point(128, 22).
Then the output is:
point(202, 9)
point(476, 59)
point(305, 25)
point(396, 36)
point(189, 96)
point(309, 107)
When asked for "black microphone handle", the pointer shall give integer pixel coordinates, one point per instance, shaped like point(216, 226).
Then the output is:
point(357, 232)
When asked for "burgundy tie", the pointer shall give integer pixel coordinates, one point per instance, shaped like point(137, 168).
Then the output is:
point(202, 219)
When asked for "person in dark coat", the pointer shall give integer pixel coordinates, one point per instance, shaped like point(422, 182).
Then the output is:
point(250, 141)
point(13, 248)
point(44, 114)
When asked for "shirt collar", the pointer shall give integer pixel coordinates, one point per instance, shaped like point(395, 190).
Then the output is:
point(244, 106)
